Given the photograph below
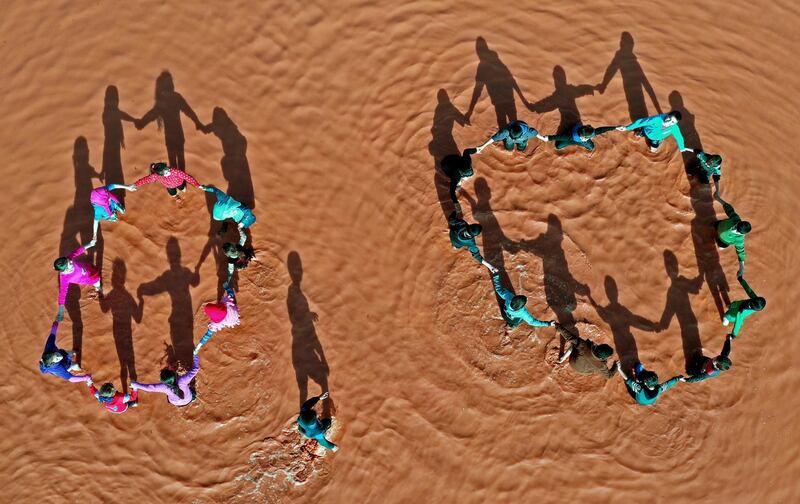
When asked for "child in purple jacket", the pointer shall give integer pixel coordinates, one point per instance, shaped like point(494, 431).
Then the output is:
point(177, 388)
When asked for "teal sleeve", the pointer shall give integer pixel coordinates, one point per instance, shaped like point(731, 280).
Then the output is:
point(476, 253)
point(737, 326)
point(640, 123)
point(697, 378)
point(676, 132)
point(500, 135)
point(740, 253)
point(501, 291)
point(531, 320)
point(746, 286)
point(111, 187)
point(729, 211)
point(668, 384)
point(701, 156)
point(635, 386)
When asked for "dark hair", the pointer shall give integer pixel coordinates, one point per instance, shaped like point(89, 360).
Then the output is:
point(308, 416)
point(724, 363)
point(677, 115)
point(649, 378)
point(49, 357)
point(714, 160)
point(229, 248)
point(107, 390)
point(474, 229)
point(603, 351)
point(515, 129)
point(744, 227)
point(756, 304)
point(60, 264)
point(159, 168)
point(586, 131)
point(170, 378)
point(518, 302)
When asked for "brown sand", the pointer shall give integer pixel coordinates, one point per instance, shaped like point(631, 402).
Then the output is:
point(330, 111)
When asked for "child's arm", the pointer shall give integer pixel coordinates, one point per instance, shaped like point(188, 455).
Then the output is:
point(188, 178)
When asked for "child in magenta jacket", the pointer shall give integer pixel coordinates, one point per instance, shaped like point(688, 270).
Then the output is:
point(72, 271)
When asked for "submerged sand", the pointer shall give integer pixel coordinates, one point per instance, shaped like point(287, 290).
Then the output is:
point(330, 119)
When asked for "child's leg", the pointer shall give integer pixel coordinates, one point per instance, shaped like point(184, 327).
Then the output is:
point(172, 191)
point(182, 187)
point(509, 143)
point(205, 339)
point(588, 145)
point(522, 145)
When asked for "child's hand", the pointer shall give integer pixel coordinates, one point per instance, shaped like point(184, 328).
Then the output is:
point(324, 396)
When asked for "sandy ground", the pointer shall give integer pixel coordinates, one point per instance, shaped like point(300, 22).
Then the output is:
point(329, 119)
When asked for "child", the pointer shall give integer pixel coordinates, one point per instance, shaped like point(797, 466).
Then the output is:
point(709, 167)
point(228, 208)
point(170, 177)
point(514, 310)
point(177, 388)
point(312, 427)
point(462, 235)
point(732, 231)
point(644, 386)
point(658, 127)
point(223, 314)
point(743, 308)
point(580, 135)
point(113, 401)
point(58, 362)
point(238, 257)
point(585, 356)
point(705, 367)
point(106, 205)
point(78, 272)
point(516, 134)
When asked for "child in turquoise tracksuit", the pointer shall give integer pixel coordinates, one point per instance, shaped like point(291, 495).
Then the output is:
point(580, 135)
point(515, 134)
point(228, 208)
point(743, 308)
point(514, 310)
point(312, 427)
point(462, 235)
point(658, 127)
point(706, 367)
point(644, 386)
point(732, 231)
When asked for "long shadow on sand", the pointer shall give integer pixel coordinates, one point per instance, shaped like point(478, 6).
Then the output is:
point(176, 282)
point(166, 111)
point(563, 99)
point(124, 310)
point(621, 320)
point(500, 84)
point(443, 144)
point(634, 81)
point(308, 358)
point(679, 306)
point(113, 140)
point(560, 287)
point(702, 202)
point(77, 231)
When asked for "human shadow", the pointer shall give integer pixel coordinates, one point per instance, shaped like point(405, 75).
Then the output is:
point(124, 309)
point(77, 230)
point(308, 358)
point(634, 81)
point(166, 112)
point(443, 144)
point(500, 85)
point(495, 242)
point(560, 287)
point(705, 215)
point(176, 282)
point(621, 320)
point(235, 167)
point(213, 246)
point(113, 139)
point(678, 305)
point(563, 99)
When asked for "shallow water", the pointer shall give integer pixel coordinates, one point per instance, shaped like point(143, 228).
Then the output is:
point(332, 118)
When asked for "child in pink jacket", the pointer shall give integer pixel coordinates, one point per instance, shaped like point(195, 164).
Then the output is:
point(170, 177)
point(72, 271)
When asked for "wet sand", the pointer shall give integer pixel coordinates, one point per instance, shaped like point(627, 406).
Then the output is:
point(330, 120)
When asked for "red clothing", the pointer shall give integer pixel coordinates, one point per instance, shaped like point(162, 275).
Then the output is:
point(171, 181)
point(82, 274)
point(119, 403)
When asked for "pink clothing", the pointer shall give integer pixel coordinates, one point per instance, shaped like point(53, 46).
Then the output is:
point(231, 317)
point(117, 404)
point(171, 181)
point(183, 385)
point(103, 197)
point(82, 274)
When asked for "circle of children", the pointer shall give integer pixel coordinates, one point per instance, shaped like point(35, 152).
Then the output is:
point(584, 355)
point(222, 314)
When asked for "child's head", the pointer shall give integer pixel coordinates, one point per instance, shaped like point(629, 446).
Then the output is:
point(649, 379)
point(61, 264)
point(474, 230)
point(517, 302)
point(230, 250)
point(756, 304)
point(159, 168)
point(586, 132)
point(603, 351)
point(308, 416)
point(107, 390)
point(673, 117)
point(743, 227)
point(722, 363)
point(515, 130)
point(51, 358)
point(714, 161)
point(168, 377)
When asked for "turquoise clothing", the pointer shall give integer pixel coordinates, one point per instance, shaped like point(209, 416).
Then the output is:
point(704, 368)
point(228, 208)
point(726, 233)
point(520, 141)
point(655, 130)
point(710, 172)
point(460, 238)
point(311, 427)
point(515, 317)
point(736, 313)
point(644, 395)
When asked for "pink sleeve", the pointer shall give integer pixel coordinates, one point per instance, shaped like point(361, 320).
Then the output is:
point(75, 253)
point(192, 372)
point(189, 178)
point(63, 287)
point(155, 387)
point(145, 180)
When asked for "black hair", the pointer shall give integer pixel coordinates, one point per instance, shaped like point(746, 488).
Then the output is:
point(518, 302)
point(603, 351)
point(649, 378)
point(474, 229)
point(158, 168)
point(515, 129)
point(170, 379)
point(60, 264)
point(677, 115)
point(586, 131)
point(744, 227)
point(724, 363)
